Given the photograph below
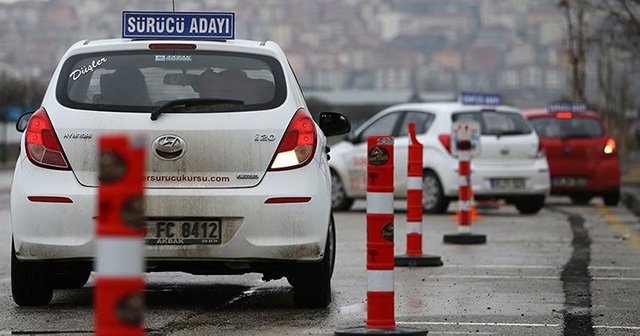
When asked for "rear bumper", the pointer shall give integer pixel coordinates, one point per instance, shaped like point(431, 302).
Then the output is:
point(535, 176)
point(252, 231)
point(603, 177)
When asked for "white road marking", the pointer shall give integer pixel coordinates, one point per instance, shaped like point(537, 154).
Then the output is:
point(486, 324)
point(615, 327)
point(502, 324)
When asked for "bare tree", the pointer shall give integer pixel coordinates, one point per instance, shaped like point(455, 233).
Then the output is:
point(621, 23)
point(574, 11)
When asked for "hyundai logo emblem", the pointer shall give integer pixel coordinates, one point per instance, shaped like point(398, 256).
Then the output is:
point(169, 147)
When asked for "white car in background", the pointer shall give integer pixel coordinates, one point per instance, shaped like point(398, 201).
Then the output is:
point(510, 165)
point(229, 143)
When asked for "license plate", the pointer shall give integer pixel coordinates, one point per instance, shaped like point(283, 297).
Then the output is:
point(508, 184)
point(183, 232)
point(569, 181)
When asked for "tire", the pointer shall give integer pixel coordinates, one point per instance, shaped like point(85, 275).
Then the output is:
point(339, 199)
point(312, 282)
point(31, 283)
point(72, 279)
point(529, 205)
point(580, 199)
point(433, 199)
point(612, 198)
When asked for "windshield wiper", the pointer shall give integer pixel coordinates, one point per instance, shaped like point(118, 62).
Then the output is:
point(197, 105)
point(498, 134)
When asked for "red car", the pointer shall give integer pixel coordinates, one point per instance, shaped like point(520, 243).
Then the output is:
point(583, 159)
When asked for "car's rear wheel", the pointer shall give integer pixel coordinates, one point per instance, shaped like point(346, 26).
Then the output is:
point(580, 199)
point(529, 205)
point(611, 198)
point(312, 282)
point(30, 282)
point(339, 199)
point(433, 198)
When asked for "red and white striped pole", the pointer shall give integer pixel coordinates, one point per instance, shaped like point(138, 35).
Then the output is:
point(119, 287)
point(464, 235)
point(380, 244)
point(414, 256)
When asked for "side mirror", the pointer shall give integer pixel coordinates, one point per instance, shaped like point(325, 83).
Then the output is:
point(23, 121)
point(332, 123)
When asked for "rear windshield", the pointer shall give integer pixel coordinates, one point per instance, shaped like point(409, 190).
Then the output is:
point(140, 81)
point(496, 122)
point(576, 127)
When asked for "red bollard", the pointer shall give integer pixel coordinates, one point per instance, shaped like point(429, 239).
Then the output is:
point(414, 256)
point(119, 286)
point(464, 235)
point(380, 261)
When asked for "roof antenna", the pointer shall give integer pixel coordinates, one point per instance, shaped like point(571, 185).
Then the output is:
point(174, 5)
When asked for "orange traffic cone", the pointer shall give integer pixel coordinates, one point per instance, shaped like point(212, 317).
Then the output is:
point(473, 211)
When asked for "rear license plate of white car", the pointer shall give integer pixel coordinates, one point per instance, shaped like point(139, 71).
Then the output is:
point(183, 232)
point(507, 184)
point(569, 181)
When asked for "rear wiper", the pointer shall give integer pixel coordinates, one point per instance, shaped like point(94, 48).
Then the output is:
point(501, 133)
point(197, 105)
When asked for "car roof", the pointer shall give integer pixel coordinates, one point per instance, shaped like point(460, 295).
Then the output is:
point(116, 44)
point(449, 107)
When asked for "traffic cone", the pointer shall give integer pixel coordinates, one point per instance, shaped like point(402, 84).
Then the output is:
point(473, 210)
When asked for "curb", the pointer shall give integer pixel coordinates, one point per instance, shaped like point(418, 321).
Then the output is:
point(630, 198)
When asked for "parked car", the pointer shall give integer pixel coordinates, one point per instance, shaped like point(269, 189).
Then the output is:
point(510, 165)
point(229, 141)
point(583, 157)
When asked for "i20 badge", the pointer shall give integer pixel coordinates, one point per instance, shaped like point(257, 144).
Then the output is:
point(169, 147)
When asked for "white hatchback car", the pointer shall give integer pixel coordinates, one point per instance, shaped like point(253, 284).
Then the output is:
point(229, 140)
point(510, 165)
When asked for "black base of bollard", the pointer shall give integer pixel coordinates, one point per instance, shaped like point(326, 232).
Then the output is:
point(386, 331)
point(417, 260)
point(465, 238)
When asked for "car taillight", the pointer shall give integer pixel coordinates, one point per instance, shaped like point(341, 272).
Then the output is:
point(540, 152)
point(610, 147)
point(564, 115)
point(41, 142)
point(298, 143)
point(445, 140)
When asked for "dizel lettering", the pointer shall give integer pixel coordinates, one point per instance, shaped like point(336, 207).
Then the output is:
point(85, 69)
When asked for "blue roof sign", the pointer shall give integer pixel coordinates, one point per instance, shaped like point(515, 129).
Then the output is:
point(567, 107)
point(471, 98)
point(184, 25)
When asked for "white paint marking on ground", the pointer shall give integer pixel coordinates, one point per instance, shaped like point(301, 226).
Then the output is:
point(615, 278)
point(354, 308)
point(505, 266)
point(487, 324)
point(459, 333)
point(499, 277)
point(615, 327)
point(523, 325)
point(610, 268)
point(614, 268)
